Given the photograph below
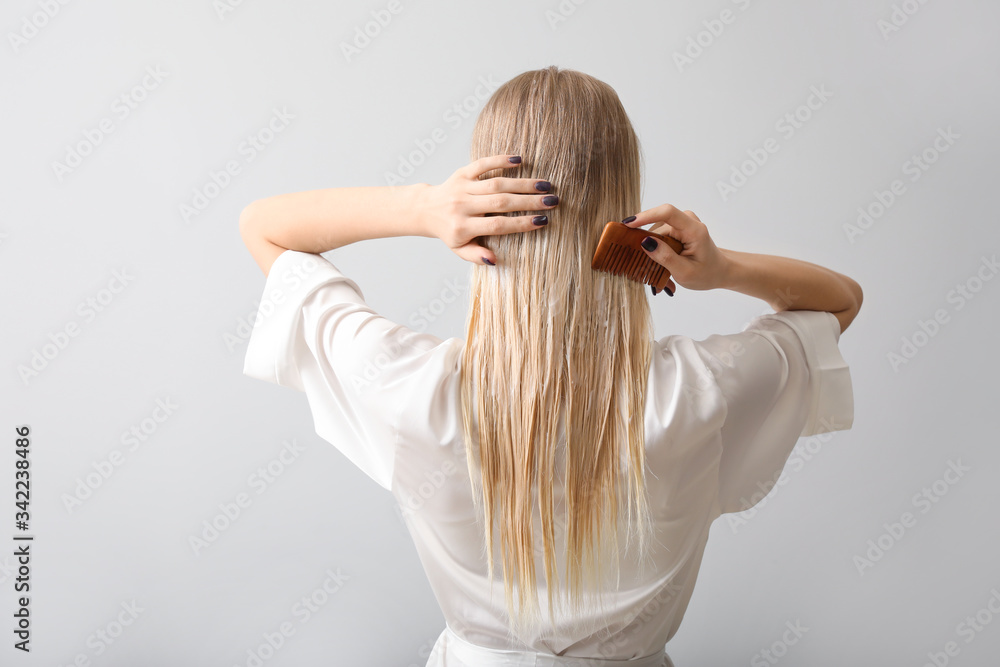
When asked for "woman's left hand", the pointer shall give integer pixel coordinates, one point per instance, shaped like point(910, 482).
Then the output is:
point(456, 211)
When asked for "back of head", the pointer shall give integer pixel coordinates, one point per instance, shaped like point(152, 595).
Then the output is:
point(549, 337)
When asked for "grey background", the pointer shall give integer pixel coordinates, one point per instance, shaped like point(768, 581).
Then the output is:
point(173, 331)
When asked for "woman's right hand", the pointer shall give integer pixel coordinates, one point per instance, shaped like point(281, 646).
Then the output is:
point(700, 265)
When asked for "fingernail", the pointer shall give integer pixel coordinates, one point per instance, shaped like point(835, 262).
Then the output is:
point(551, 200)
point(649, 243)
point(514, 160)
point(628, 219)
point(544, 186)
point(540, 220)
point(486, 259)
point(652, 289)
point(667, 290)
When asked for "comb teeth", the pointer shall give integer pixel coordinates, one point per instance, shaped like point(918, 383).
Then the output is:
point(624, 261)
point(635, 266)
point(619, 252)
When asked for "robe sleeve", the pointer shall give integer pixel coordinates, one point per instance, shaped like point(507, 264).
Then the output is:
point(781, 378)
point(315, 333)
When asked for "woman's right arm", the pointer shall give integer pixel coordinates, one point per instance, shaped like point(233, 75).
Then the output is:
point(791, 284)
point(784, 283)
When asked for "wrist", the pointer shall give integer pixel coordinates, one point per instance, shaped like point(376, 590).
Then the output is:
point(418, 194)
point(729, 269)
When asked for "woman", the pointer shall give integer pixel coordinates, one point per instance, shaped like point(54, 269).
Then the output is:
point(524, 444)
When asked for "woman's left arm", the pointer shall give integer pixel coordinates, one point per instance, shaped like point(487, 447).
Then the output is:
point(320, 220)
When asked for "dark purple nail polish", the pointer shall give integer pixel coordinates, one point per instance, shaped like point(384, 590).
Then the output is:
point(540, 220)
point(667, 290)
point(515, 160)
point(628, 219)
point(550, 200)
point(544, 186)
point(486, 259)
point(652, 289)
point(649, 243)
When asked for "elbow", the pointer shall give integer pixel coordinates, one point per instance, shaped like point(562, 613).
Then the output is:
point(859, 295)
point(846, 316)
point(246, 222)
point(245, 216)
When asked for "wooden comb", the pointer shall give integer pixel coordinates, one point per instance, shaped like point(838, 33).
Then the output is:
point(620, 252)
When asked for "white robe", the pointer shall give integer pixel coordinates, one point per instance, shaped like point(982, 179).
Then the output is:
point(721, 418)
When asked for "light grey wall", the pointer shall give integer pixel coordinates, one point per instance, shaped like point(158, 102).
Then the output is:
point(895, 75)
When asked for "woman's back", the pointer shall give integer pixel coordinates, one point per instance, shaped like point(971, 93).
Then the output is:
point(721, 417)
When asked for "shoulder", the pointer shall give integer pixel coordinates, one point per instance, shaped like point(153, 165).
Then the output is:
point(807, 334)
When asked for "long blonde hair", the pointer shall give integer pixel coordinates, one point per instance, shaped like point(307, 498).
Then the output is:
point(552, 342)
